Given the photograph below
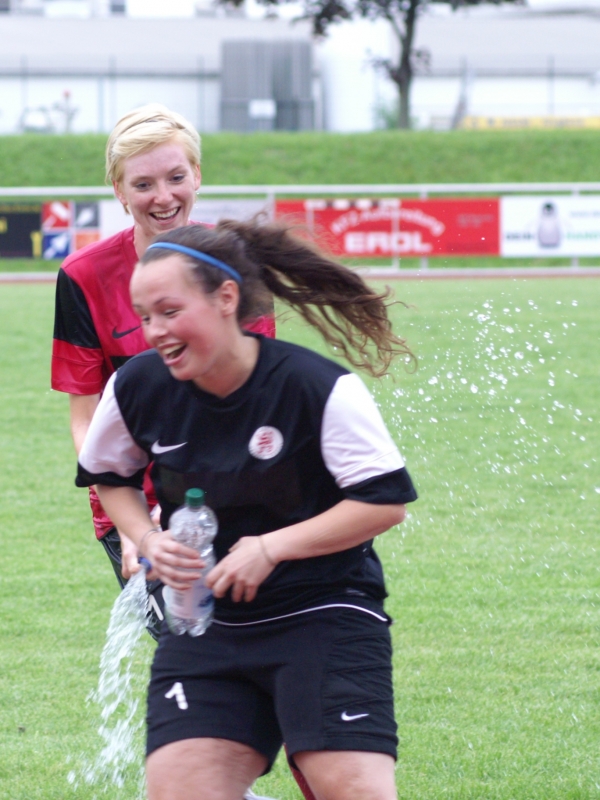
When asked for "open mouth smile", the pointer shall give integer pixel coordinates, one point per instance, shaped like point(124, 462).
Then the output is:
point(165, 216)
point(170, 355)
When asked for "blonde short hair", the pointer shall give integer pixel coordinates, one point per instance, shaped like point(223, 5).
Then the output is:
point(142, 130)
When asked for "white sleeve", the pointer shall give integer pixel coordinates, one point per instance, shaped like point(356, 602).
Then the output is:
point(355, 443)
point(108, 446)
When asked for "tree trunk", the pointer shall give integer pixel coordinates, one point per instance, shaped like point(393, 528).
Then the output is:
point(405, 67)
point(404, 103)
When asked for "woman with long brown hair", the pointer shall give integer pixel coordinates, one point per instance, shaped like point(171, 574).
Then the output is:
point(295, 460)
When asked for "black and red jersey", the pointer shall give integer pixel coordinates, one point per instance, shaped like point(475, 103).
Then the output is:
point(298, 437)
point(96, 329)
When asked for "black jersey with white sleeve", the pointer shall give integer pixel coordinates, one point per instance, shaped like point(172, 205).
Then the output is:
point(301, 435)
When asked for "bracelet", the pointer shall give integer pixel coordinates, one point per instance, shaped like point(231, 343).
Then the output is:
point(145, 536)
point(264, 552)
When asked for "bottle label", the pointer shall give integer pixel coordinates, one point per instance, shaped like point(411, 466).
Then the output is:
point(191, 603)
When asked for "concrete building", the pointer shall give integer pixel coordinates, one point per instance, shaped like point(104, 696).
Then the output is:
point(518, 61)
point(80, 64)
point(82, 73)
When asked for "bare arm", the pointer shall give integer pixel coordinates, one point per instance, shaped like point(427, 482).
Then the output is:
point(82, 407)
point(252, 558)
point(346, 525)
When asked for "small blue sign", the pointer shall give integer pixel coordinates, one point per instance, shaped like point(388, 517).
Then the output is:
point(56, 245)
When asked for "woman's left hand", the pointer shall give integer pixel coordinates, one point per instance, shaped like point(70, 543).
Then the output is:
point(243, 570)
point(129, 557)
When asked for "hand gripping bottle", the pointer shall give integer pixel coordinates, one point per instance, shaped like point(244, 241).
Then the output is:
point(194, 525)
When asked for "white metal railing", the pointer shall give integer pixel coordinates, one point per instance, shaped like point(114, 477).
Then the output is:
point(272, 190)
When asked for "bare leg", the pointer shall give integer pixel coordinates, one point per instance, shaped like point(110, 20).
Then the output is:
point(202, 769)
point(301, 781)
point(348, 775)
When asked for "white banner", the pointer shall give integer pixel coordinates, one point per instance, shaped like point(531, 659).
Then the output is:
point(562, 225)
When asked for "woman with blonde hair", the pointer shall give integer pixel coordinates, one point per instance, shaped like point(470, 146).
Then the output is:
point(153, 163)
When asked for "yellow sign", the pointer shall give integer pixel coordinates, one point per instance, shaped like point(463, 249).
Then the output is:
point(36, 243)
point(532, 123)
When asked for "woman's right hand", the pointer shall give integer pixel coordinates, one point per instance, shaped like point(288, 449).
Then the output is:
point(172, 562)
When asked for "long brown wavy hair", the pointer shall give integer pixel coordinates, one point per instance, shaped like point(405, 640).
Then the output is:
point(272, 261)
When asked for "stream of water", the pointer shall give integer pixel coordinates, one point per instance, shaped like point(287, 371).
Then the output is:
point(120, 687)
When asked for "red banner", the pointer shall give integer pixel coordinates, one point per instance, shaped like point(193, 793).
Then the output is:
point(394, 227)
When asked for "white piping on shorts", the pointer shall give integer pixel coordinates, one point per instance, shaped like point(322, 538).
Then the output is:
point(304, 611)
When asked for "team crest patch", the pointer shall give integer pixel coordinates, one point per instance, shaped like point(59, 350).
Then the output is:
point(265, 443)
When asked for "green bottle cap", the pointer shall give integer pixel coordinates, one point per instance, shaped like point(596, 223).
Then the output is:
point(194, 498)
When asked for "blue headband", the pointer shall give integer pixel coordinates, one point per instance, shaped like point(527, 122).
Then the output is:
point(188, 251)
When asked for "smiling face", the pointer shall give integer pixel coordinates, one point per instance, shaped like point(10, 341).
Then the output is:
point(196, 334)
point(159, 189)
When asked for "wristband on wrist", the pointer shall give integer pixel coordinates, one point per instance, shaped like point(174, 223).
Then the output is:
point(147, 536)
point(265, 553)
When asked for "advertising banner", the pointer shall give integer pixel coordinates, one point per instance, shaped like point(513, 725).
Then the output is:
point(68, 226)
point(209, 211)
point(394, 227)
point(20, 235)
point(518, 226)
point(56, 215)
point(562, 225)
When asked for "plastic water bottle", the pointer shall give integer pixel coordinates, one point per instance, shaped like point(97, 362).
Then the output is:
point(194, 525)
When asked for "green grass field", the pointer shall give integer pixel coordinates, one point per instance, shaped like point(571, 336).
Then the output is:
point(41, 265)
point(494, 578)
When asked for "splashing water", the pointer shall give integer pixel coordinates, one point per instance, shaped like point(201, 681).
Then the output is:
point(492, 397)
point(118, 695)
point(477, 379)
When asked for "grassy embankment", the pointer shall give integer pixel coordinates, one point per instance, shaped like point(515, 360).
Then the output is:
point(288, 158)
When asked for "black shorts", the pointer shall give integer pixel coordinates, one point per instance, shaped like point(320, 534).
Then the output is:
point(320, 680)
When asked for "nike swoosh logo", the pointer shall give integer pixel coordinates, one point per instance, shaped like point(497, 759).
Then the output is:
point(119, 334)
point(157, 448)
point(348, 718)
